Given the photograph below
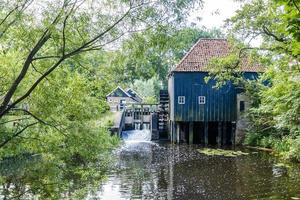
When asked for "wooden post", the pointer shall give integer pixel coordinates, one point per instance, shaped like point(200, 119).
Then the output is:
point(172, 131)
point(132, 114)
point(206, 133)
point(177, 133)
point(142, 116)
point(219, 133)
point(224, 142)
point(232, 133)
point(191, 132)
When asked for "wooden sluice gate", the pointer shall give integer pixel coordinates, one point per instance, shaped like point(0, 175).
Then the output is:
point(153, 117)
point(140, 117)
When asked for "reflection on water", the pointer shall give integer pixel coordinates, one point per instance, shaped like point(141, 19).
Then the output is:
point(146, 170)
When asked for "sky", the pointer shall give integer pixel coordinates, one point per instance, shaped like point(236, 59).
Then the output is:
point(214, 12)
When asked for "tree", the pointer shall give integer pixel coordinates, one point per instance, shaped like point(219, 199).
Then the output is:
point(54, 61)
point(155, 51)
point(275, 116)
point(61, 32)
point(151, 54)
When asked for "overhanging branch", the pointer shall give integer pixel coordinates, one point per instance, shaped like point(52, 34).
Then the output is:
point(16, 134)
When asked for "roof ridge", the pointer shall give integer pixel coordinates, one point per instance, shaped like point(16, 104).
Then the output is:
point(137, 94)
point(120, 89)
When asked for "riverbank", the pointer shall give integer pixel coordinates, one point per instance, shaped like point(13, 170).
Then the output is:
point(287, 148)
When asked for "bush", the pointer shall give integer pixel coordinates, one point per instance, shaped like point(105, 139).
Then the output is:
point(253, 138)
point(294, 151)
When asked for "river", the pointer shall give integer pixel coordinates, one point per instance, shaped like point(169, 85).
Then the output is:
point(150, 170)
point(143, 169)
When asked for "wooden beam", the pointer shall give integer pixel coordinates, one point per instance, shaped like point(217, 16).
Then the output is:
point(191, 132)
point(219, 133)
point(224, 141)
point(171, 131)
point(232, 133)
point(142, 116)
point(177, 132)
point(206, 133)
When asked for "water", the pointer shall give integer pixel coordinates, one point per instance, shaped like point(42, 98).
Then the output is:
point(136, 135)
point(147, 170)
point(142, 169)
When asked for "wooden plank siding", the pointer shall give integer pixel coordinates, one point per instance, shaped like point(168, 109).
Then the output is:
point(220, 104)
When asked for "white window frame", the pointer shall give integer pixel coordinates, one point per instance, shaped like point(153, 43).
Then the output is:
point(181, 100)
point(110, 100)
point(201, 100)
point(123, 101)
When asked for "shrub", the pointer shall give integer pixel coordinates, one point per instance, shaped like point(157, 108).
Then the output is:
point(294, 151)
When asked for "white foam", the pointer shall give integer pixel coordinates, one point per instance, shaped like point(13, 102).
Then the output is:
point(137, 135)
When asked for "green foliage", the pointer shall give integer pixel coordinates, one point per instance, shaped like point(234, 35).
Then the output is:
point(71, 142)
point(56, 70)
point(146, 58)
point(154, 51)
point(294, 152)
point(73, 146)
point(274, 116)
point(148, 89)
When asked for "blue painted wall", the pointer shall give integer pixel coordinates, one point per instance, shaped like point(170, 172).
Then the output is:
point(220, 103)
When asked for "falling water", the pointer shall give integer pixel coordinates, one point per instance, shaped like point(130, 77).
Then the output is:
point(137, 135)
point(137, 126)
point(146, 126)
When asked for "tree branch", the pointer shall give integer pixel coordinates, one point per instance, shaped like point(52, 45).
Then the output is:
point(16, 134)
point(31, 114)
point(64, 28)
point(295, 4)
point(44, 57)
point(22, 7)
point(4, 108)
point(90, 42)
point(269, 33)
point(38, 119)
point(87, 46)
point(14, 120)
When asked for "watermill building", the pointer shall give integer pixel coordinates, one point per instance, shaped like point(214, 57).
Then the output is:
point(200, 113)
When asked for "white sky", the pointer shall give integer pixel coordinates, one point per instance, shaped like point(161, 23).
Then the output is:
point(214, 12)
point(209, 18)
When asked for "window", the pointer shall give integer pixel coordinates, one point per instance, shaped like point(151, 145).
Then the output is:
point(181, 99)
point(242, 106)
point(201, 99)
point(109, 100)
point(122, 101)
point(128, 113)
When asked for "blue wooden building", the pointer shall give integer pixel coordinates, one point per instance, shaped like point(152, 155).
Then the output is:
point(200, 113)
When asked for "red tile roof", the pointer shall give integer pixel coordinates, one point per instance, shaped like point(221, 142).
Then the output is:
point(199, 56)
